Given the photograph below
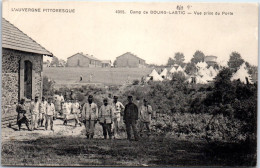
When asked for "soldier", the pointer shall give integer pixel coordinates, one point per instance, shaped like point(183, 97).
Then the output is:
point(118, 107)
point(90, 116)
point(66, 111)
point(35, 110)
point(106, 118)
point(21, 117)
point(43, 107)
point(50, 112)
point(76, 111)
point(130, 118)
point(145, 117)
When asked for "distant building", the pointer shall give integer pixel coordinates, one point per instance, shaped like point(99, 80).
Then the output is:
point(22, 64)
point(106, 63)
point(211, 60)
point(81, 60)
point(129, 60)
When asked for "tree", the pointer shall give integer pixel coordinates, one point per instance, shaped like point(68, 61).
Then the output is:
point(170, 61)
point(179, 58)
point(235, 61)
point(198, 57)
point(55, 61)
point(190, 68)
point(48, 86)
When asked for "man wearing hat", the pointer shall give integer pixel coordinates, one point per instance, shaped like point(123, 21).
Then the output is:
point(130, 118)
point(118, 107)
point(145, 117)
point(35, 110)
point(90, 116)
point(106, 118)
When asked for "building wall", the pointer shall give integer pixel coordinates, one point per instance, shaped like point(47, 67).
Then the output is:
point(128, 60)
point(12, 75)
point(95, 63)
point(73, 61)
point(106, 65)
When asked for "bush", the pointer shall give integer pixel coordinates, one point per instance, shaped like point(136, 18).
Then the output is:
point(136, 82)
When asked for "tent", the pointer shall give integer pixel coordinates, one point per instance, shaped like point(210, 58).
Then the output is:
point(155, 76)
point(173, 70)
point(179, 69)
point(164, 73)
point(201, 65)
point(212, 72)
point(242, 74)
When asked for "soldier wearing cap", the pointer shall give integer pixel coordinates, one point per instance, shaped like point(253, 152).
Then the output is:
point(106, 118)
point(130, 118)
point(118, 107)
point(21, 117)
point(145, 117)
point(34, 110)
point(50, 112)
point(90, 116)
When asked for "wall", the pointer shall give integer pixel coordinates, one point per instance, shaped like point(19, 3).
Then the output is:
point(73, 61)
point(12, 75)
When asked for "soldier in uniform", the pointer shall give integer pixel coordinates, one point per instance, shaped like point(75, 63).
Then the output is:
point(50, 112)
point(21, 117)
point(90, 116)
point(130, 118)
point(106, 118)
point(118, 107)
point(35, 110)
point(75, 111)
point(145, 117)
point(43, 107)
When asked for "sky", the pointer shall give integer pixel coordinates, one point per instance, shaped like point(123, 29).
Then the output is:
point(96, 29)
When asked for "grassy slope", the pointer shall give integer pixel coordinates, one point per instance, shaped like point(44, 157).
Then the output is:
point(70, 75)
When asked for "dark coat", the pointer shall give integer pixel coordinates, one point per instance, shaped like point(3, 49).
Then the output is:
point(130, 112)
point(20, 109)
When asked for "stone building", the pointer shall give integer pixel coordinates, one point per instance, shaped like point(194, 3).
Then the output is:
point(22, 63)
point(106, 63)
point(129, 60)
point(82, 60)
point(211, 60)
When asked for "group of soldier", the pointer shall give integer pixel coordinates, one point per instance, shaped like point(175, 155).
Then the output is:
point(108, 115)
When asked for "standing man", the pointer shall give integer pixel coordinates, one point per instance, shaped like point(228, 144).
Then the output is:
point(145, 117)
point(43, 107)
point(75, 111)
point(50, 111)
point(58, 98)
point(35, 110)
point(118, 107)
point(90, 116)
point(66, 111)
point(130, 118)
point(21, 117)
point(106, 118)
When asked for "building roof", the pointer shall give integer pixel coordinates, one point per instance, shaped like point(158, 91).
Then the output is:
point(131, 55)
point(87, 56)
point(13, 38)
point(106, 61)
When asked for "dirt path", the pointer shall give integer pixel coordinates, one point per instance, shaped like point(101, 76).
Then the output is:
point(60, 130)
